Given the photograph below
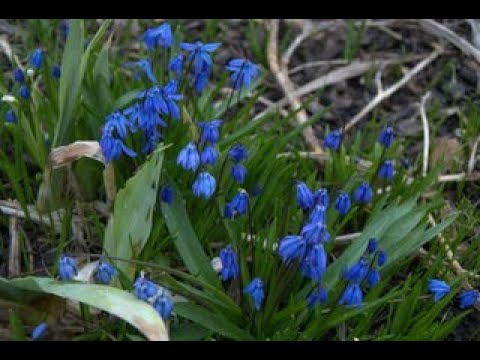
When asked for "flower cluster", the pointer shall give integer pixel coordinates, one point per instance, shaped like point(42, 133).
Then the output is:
point(157, 296)
point(364, 270)
point(67, 270)
point(440, 289)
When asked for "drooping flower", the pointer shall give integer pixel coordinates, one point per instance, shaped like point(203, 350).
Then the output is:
point(201, 79)
point(373, 278)
point(56, 71)
point(237, 152)
point(204, 186)
point(240, 202)
point(166, 194)
point(352, 296)
point(163, 304)
point(291, 247)
point(210, 130)
point(19, 75)
point(243, 73)
point(322, 197)
point(363, 193)
point(255, 290)
point(305, 198)
point(318, 215)
point(199, 54)
point(39, 331)
point(37, 59)
point(144, 289)
point(117, 121)
point(372, 245)
point(67, 267)
point(113, 148)
point(343, 203)
point(238, 173)
point(170, 97)
point(317, 296)
point(358, 271)
point(188, 158)
point(313, 232)
point(386, 171)
point(314, 264)
point(229, 211)
point(105, 272)
point(146, 66)
point(10, 116)
point(468, 298)
point(230, 267)
point(176, 64)
point(386, 137)
point(333, 139)
point(382, 257)
point(24, 92)
point(161, 36)
point(438, 288)
point(209, 155)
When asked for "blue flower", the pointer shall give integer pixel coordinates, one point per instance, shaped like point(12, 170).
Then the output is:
point(468, 298)
point(153, 101)
point(117, 121)
point(144, 289)
point(204, 185)
point(24, 92)
point(19, 76)
point(363, 193)
point(39, 331)
point(305, 197)
point(439, 288)
point(322, 197)
point(176, 65)
point(372, 245)
point(229, 211)
point(209, 155)
point(343, 203)
point(238, 173)
point(210, 131)
point(10, 116)
point(382, 258)
point(255, 290)
point(291, 247)
point(153, 137)
point(113, 148)
point(37, 58)
point(238, 152)
point(358, 271)
point(161, 36)
point(314, 264)
point(170, 96)
point(163, 305)
point(56, 71)
point(105, 272)
point(240, 202)
point(318, 215)
point(199, 54)
point(188, 158)
point(166, 194)
point(317, 296)
point(230, 267)
point(352, 296)
point(65, 28)
point(243, 73)
point(373, 278)
point(313, 232)
point(146, 66)
point(333, 140)
point(386, 137)
point(386, 170)
point(67, 268)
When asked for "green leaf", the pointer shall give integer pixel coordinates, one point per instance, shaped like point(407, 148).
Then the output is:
point(16, 325)
point(115, 301)
point(211, 320)
point(186, 241)
point(129, 226)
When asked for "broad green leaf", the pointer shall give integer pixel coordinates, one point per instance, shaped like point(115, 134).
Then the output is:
point(129, 226)
point(115, 301)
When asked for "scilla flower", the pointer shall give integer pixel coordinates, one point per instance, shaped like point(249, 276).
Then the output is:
point(373, 278)
point(438, 288)
point(237, 152)
point(333, 140)
point(209, 155)
point(24, 92)
point(199, 54)
point(358, 271)
point(372, 245)
point(105, 272)
point(305, 198)
point(19, 76)
point(67, 268)
point(382, 258)
point(204, 186)
point(317, 296)
point(238, 173)
point(291, 247)
point(230, 267)
point(144, 288)
point(163, 304)
point(255, 290)
point(176, 65)
point(166, 194)
point(37, 58)
point(321, 197)
point(39, 331)
point(146, 66)
point(240, 201)
point(468, 298)
point(314, 264)
point(318, 215)
point(386, 137)
point(313, 232)
point(113, 148)
point(243, 73)
point(363, 193)
point(188, 158)
point(210, 130)
point(10, 116)
point(386, 171)
point(343, 203)
point(352, 296)
point(161, 36)
point(56, 71)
